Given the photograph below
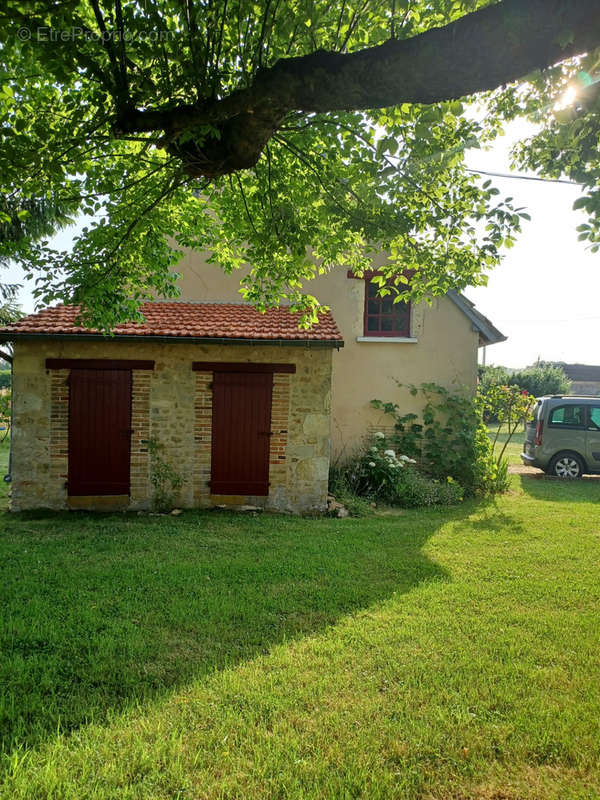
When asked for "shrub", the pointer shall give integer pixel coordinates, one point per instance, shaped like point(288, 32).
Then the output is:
point(165, 479)
point(537, 380)
point(342, 489)
point(450, 441)
point(355, 505)
point(380, 474)
point(374, 472)
point(511, 407)
point(5, 379)
point(541, 379)
point(492, 376)
point(416, 491)
point(5, 416)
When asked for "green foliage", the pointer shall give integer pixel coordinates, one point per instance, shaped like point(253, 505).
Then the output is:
point(10, 311)
point(448, 440)
point(356, 506)
point(511, 406)
point(537, 380)
point(5, 407)
point(566, 144)
point(380, 474)
point(24, 220)
point(340, 486)
point(5, 378)
point(326, 187)
point(376, 471)
point(492, 376)
point(165, 479)
point(542, 379)
point(418, 491)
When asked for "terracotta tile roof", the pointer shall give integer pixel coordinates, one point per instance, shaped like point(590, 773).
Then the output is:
point(185, 320)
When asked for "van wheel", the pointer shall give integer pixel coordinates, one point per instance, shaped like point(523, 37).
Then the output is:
point(566, 465)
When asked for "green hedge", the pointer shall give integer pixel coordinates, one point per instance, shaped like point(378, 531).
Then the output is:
point(4, 378)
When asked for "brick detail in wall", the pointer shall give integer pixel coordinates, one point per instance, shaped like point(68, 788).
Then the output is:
point(140, 488)
point(280, 420)
point(280, 412)
point(202, 435)
point(59, 427)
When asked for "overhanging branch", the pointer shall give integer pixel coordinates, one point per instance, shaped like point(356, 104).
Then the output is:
point(477, 52)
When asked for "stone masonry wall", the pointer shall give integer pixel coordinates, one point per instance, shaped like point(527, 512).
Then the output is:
point(202, 437)
point(141, 381)
point(59, 430)
point(172, 405)
point(280, 421)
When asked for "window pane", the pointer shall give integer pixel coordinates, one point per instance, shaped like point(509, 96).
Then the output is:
point(400, 324)
point(567, 415)
point(383, 315)
point(595, 415)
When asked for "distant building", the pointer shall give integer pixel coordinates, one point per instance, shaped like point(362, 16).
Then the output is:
point(585, 378)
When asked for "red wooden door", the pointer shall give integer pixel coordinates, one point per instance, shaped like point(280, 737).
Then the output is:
point(241, 423)
point(99, 431)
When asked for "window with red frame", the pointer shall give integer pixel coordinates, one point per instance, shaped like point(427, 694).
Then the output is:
point(383, 317)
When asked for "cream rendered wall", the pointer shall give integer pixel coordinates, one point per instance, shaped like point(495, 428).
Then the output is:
point(445, 351)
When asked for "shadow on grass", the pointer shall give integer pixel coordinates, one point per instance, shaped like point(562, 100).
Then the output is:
point(493, 520)
point(546, 487)
point(100, 611)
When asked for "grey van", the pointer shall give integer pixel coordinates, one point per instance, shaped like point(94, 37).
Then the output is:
point(563, 438)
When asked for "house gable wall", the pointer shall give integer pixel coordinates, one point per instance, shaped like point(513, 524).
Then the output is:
point(445, 350)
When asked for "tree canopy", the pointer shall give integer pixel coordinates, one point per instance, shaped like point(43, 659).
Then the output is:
point(538, 380)
point(293, 135)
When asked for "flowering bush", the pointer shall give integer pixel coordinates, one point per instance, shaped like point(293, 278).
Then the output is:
point(378, 469)
point(449, 440)
point(379, 473)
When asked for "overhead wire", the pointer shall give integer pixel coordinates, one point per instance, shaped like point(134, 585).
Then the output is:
point(523, 177)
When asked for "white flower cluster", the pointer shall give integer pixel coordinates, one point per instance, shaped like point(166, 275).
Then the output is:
point(393, 461)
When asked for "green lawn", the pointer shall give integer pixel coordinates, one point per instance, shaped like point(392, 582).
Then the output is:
point(446, 654)
point(515, 446)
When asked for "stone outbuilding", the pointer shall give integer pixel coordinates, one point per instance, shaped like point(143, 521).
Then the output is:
point(236, 403)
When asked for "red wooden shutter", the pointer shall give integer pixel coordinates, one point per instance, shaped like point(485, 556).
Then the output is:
point(241, 423)
point(99, 431)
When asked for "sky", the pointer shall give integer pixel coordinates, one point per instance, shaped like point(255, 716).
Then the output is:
point(545, 295)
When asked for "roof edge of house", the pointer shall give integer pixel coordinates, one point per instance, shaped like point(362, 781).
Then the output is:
point(488, 333)
point(10, 337)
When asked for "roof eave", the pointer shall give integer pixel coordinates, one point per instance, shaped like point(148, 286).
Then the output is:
point(488, 333)
point(14, 336)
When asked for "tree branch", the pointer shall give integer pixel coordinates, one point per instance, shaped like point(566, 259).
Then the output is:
point(478, 52)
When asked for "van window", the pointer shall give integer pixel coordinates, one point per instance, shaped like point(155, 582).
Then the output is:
point(569, 416)
point(535, 412)
point(595, 416)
